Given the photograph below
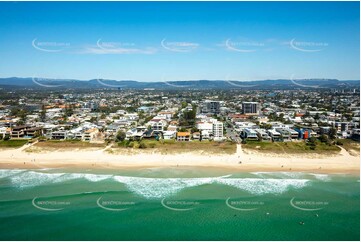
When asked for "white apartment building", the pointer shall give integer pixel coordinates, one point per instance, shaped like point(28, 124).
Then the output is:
point(205, 126)
point(217, 131)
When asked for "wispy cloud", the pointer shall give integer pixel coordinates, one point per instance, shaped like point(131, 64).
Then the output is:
point(179, 46)
point(116, 51)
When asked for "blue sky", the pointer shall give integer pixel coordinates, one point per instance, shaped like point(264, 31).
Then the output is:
point(180, 40)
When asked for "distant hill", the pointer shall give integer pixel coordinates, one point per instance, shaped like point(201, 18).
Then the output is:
point(15, 82)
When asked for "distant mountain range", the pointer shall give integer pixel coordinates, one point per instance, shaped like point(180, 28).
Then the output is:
point(15, 82)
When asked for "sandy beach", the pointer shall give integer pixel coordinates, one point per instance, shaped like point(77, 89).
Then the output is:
point(242, 160)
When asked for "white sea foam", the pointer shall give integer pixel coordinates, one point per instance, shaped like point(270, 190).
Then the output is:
point(95, 178)
point(298, 175)
point(264, 186)
point(33, 178)
point(322, 177)
point(8, 172)
point(282, 174)
point(160, 187)
point(157, 187)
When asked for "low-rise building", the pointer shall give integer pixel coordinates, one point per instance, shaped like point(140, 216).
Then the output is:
point(169, 135)
point(59, 135)
point(263, 135)
point(157, 124)
point(90, 134)
point(276, 136)
point(196, 135)
point(19, 131)
point(183, 136)
point(249, 134)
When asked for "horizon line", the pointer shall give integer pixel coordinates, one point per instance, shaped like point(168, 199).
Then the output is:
point(187, 80)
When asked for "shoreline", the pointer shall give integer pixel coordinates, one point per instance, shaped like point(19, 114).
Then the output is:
point(250, 161)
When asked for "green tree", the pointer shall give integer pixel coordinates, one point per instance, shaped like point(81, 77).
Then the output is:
point(93, 119)
point(120, 136)
point(43, 115)
point(333, 133)
point(37, 133)
point(317, 116)
point(312, 142)
point(69, 111)
point(7, 137)
point(324, 138)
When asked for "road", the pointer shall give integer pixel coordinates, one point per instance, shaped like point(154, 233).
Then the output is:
point(231, 133)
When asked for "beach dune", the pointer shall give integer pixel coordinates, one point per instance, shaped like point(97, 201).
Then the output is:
point(241, 160)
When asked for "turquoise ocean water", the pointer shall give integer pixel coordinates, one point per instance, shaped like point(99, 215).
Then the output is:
point(177, 204)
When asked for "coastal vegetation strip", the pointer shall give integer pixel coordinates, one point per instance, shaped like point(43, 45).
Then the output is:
point(68, 144)
point(174, 147)
point(292, 147)
point(13, 143)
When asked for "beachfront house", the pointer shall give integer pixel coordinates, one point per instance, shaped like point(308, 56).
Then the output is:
point(196, 135)
point(135, 133)
point(286, 135)
point(90, 134)
point(276, 136)
point(33, 131)
point(183, 136)
point(169, 134)
point(19, 131)
point(263, 135)
point(293, 134)
point(206, 134)
point(59, 135)
point(249, 134)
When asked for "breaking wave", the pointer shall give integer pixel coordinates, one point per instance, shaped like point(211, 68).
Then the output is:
point(6, 172)
point(297, 175)
point(158, 187)
point(34, 178)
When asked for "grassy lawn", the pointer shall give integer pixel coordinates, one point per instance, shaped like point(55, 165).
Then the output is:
point(290, 147)
point(353, 147)
point(64, 144)
point(13, 143)
point(174, 147)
